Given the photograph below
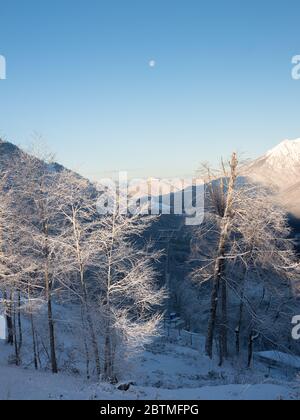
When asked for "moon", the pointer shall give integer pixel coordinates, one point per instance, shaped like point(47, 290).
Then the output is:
point(152, 63)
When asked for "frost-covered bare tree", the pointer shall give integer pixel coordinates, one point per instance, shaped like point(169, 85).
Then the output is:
point(221, 192)
point(265, 257)
point(37, 207)
point(5, 258)
point(111, 272)
point(245, 236)
point(78, 253)
point(53, 240)
point(11, 268)
point(129, 299)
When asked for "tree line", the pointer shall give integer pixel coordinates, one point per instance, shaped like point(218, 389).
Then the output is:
point(54, 245)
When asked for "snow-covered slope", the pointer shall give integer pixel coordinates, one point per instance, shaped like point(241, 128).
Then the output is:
point(280, 166)
point(167, 371)
point(285, 156)
point(280, 169)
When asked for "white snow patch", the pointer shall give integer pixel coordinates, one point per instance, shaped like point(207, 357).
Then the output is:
point(168, 370)
point(280, 358)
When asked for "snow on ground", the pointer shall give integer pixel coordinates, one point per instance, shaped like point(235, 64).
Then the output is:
point(167, 370)
point(20, 384)
point(220, 392)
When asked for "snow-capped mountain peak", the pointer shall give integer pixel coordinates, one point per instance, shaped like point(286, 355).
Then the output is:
point(280, 166)
point(285, 155)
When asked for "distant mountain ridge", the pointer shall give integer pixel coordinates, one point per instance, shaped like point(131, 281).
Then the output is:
point(279, 169)
point(10, 152)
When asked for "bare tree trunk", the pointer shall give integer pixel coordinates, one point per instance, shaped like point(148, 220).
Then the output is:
point(238, 330)
point(34, 346)
point(91, 325)
point(87, 359)
point(33, 333)
point(252, 338)
point(220, 267)
point(48, 290)
point(17, 354)
point(240, 322)
point(86, 347)
point(9, 321)
point(52, 336)
point(48, 287)
point(94, 343)
point(108, 344)
point(10, 329)
point(250, 349)
point(107, 356)
point(20, 323)
point(85, 298)
point(109, 365)
point(224, 335)
point(213, 317)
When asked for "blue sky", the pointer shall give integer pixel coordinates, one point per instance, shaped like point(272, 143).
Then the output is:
point(78, 74)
